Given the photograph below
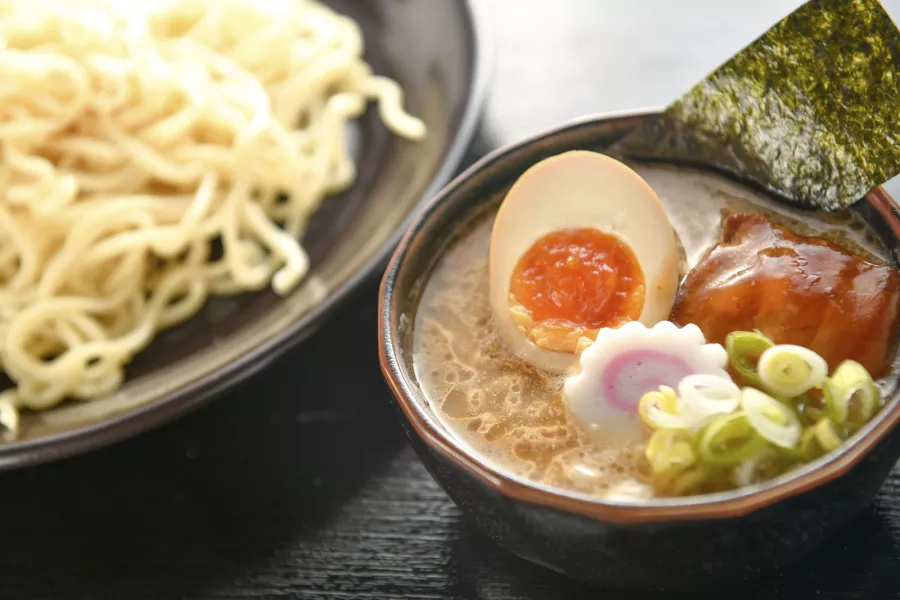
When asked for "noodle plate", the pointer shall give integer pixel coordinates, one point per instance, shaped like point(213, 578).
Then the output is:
point(137, 138)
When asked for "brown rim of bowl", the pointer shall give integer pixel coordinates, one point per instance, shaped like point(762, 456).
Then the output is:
point(713, 506)
point(200, 391)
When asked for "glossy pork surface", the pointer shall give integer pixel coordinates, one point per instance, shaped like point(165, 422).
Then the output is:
point(795, 290)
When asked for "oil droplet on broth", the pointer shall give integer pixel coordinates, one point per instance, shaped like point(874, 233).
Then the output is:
point(455, 404)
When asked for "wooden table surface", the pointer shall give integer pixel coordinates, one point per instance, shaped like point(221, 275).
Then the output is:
point(300, 484)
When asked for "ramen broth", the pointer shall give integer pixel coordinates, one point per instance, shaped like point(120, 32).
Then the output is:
point(513, 414)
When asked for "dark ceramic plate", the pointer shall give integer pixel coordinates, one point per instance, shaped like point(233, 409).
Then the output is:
point(436, 51)
point(666, 543)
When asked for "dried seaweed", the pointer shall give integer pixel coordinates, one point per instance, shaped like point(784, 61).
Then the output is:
point(809, 111)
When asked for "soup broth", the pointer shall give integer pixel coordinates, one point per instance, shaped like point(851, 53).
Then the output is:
point(513, 414)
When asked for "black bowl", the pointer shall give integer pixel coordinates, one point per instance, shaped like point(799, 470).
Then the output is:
point(664, 543)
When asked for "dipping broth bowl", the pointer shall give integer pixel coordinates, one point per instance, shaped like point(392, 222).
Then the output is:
point(667, 543)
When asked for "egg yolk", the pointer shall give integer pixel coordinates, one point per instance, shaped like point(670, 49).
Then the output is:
point(573, 282)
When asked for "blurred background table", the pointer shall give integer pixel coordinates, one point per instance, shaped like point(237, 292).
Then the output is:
point(300, 483)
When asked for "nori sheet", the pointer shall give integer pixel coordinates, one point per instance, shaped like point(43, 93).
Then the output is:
point(810, 111)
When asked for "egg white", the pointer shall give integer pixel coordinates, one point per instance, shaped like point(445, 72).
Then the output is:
point(581, 189)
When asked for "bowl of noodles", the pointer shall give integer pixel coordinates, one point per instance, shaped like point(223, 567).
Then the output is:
point(189, 186)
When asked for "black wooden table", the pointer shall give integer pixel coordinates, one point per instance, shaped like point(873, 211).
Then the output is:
point(300, 484)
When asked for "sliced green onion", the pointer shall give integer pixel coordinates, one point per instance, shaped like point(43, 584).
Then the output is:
point(744, 349)
point(708, 395)
point(809, 447)
point(729, 440)
point(669, 399)
point(827, 435)
point(818, 439)
point(659, 410)
point(850, 394)
point(749, 471)
point(669, 451)
point(812, 414)
point(789, 370)
point(713, 435)
point(773, 420)
point(686, 481)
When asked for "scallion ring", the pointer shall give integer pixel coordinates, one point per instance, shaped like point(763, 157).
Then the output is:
point(851, 395)
point(708, 395)
point(744, 349)
point(748, 472)
point(812, 414)
point(688, 480)
point(659, 410)
point(669, 451)
point(773, 420)
point(729, 440)
point(789, 370)
point(809, 447)
point(827, 435)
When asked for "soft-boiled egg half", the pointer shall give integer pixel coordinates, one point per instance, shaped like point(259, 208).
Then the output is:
point(580, 243)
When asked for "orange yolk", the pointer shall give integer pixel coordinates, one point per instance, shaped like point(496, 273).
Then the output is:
point(573, 282)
